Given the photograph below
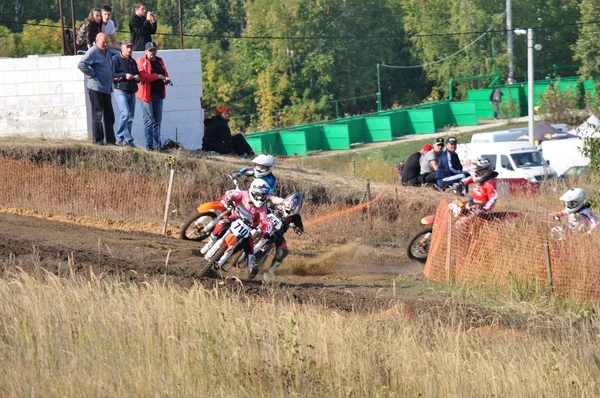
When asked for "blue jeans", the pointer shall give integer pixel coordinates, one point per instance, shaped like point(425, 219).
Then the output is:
point(126, 103)
point(152, 112)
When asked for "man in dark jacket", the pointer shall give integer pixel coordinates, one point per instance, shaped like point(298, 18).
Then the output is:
point(450, 170)
point(125, 84)
point(412, 167)
point(141, 26)
point(217, 135)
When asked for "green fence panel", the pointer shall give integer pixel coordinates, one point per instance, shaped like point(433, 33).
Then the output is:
point(336, 136)
point(255, 142)
point(589, 88)
point(421, 121)
point(481, 98)
point(399, 121)
point(314, 137)
point(292, 143)
point(262, 142)
point(539, 89)
point(356, 129)
point(379, 128)
point(441, 115)
point(463, 113)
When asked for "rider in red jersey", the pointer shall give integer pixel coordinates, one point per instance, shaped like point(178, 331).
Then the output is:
point(484, 196)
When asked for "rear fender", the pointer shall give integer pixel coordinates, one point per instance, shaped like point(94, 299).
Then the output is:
point(211, 207)
point(428, 220)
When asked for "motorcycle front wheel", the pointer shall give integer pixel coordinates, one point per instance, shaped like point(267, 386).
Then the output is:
point(192, 227)
point(418, 248)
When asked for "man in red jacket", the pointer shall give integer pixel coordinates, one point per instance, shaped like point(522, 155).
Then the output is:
point(152, 90)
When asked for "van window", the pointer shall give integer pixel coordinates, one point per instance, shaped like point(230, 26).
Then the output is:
point(492, 159)
point(527, 159)
point(505, 163)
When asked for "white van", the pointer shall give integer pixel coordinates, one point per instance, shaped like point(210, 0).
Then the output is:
point(564, 154)
point(510, 159)
point(496, 136)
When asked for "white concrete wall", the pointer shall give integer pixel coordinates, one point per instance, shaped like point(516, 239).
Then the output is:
point(44, 96)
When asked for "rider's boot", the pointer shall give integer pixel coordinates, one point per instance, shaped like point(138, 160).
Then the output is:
point(273, 268)
point(211, 240)
point(252, 267)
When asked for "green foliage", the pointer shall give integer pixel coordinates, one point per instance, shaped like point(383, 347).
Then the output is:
point(8, 44)
point(36, 39)
point(561, 106)
point(587, 48)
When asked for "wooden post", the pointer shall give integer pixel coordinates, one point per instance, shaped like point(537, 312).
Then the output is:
point(548, 266)
point(353, 167)
point(369, 215)
point(169, 191)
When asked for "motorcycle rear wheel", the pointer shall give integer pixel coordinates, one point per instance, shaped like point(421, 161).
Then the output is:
point(190, 231)
point(209, 266)
point(418, 248)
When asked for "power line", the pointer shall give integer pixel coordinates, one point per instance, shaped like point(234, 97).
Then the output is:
point(376, 37)
point(439, 60)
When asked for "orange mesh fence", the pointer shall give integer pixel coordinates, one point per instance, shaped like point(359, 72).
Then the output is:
point(494, 252)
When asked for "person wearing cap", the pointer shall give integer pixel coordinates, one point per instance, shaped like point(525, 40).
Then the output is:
point(125, 85)
point(151, 93)
point(412, 168)
point(142, 25)
point(429, 162)
point(450, 170)
point(217, 135)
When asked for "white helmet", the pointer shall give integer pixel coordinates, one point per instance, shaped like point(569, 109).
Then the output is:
point(574, 200)
point(263, 164)
point(292, 204)
point(483, 169)
point(259, 192)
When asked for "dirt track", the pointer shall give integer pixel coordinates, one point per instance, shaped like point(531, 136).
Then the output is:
point(350, 277)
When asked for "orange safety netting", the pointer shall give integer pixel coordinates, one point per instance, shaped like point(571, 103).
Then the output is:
point(494, 253)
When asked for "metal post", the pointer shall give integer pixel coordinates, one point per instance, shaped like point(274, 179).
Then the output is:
point(530, 82)
point(62, 26)
point(337, 109)
point(379, 108)
point(369, 215)
point(548, 266)
point(509, 42)
point(169, 191)
point(180, 24)
point(74, 27)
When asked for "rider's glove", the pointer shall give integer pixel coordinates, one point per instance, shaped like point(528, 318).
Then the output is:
point(299, 232)
point(556, 215)
point(236, 176)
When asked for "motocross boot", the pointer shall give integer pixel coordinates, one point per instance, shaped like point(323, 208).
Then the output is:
point(252, 267)
point(211, 241)
point(273, 268)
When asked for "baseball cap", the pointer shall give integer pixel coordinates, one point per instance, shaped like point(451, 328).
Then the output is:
point(452, 140)
point(150, 45)
point(439, 141)
point(427, 147)
point(127, 43)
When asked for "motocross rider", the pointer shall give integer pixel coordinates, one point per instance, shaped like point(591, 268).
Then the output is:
point(262, 167)
point(484, 196)
point(250, 204)
point(290, 210)
point(580, 216)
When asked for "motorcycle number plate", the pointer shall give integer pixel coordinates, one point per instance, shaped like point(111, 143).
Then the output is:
point(239, 229)
point(276, 221)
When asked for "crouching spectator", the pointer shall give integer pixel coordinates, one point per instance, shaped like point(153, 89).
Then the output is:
point(125, 84)
point(429, 162)
point(217, 135)
point(412, 167)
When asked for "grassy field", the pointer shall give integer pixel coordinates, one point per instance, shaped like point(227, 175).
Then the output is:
point(96, 337)
point(377, 164)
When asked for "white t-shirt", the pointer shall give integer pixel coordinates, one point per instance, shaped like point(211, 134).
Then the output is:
point(109, 28)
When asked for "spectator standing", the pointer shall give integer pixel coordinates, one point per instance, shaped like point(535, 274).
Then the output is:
point(142, 25)
point(495, 99)
point(450, 169)
point(217, 135)
point(151, 92)
point(108, 28)
point(125, 84)
point(98, 68)
point(429, 162)
point(89, 29)
point(412, 167)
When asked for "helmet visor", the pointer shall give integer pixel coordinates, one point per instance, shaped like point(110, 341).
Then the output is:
point(260, 168)
point(571, 204)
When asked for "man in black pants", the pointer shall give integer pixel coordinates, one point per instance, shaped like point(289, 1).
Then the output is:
point(98, 68)
point(412, 167)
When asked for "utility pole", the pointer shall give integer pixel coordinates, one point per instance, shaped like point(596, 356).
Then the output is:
point(509, 44)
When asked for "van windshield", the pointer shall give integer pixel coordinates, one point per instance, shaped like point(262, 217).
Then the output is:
point(527, 159)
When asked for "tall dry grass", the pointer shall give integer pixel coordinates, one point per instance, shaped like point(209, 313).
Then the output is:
point(72, 337)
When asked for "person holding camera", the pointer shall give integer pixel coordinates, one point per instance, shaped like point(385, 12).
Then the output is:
point(151, 92)
point(142, 26)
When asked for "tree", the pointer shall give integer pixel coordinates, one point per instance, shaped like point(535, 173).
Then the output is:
point(587, 47)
